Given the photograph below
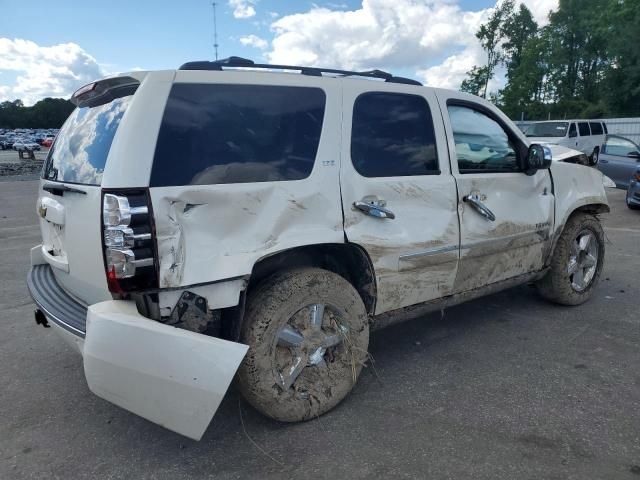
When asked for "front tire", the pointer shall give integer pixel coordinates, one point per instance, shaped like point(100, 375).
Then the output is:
point(308, 334)
point(577, 262)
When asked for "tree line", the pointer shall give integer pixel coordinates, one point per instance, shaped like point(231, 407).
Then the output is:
point(585, 63)
point(47, 113)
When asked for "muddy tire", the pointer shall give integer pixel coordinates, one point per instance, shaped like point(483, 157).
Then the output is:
point(577, 262)
point(308, 333)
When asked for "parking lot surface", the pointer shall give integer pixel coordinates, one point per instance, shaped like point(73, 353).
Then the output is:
point(507, 386)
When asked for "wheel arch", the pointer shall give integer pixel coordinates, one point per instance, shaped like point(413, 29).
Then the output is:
point(348, 260)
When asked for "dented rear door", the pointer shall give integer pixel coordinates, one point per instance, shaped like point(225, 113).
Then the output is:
point(398, 195)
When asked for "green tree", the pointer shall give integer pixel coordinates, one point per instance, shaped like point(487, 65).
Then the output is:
point(490, 35)
point(475, 81)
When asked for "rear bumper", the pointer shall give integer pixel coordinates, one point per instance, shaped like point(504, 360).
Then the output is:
point(55, 303)
point(170, 376)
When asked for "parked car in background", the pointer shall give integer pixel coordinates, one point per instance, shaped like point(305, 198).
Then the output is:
point(25, 145)
point(619, 159)
point(584, 135)
point(633, 190)
point(47, 142)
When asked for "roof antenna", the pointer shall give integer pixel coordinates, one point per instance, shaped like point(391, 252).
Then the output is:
point(215, 30)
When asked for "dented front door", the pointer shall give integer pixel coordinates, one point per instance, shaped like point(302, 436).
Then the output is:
point(398, 195)
point(506, 215)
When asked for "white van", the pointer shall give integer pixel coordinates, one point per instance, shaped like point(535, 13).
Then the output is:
point(584, 135)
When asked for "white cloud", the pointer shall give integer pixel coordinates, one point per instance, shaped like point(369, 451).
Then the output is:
point(382, 33)
point(254, 41)
point(390, 34)
point(243, 8)
point(54, 71)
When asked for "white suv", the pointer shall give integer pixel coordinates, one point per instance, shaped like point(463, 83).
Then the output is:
point(278, 217)
point(586, 136)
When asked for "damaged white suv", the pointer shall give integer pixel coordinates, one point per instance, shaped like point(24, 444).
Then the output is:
point(211, 220)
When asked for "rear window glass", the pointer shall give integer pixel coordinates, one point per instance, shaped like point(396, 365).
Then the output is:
point(392, 135)
point(79, 153)
point(583, 128)
point(596, 128)
point(217, 133)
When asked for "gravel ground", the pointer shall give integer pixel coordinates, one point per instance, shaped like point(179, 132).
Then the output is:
point(506, 386)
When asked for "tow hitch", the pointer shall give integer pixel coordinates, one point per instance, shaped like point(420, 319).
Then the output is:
point(41, 319)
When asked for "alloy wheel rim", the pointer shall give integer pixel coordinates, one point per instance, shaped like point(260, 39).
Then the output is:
point(583, 260)
point(309, 338)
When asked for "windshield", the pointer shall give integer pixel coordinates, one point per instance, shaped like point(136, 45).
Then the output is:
point(547, 129)
point(79, 153)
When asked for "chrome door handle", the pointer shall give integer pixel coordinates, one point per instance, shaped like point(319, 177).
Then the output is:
point(474, 201)
point(374, 209)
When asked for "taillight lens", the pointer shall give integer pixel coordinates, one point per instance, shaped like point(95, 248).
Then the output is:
point(128, 241)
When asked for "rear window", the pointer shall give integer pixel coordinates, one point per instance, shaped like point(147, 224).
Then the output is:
point(596, 128)
point(79, 153)
point(217, 133)
point(392, 136)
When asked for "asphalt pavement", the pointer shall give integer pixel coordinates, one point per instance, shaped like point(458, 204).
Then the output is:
point(504, 387)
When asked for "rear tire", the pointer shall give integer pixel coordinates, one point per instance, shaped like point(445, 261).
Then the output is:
point(577, 262)
point(308, 334)
point(595, 157)
point(631, 205)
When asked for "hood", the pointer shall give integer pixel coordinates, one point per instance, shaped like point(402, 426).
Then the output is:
point(545, 140)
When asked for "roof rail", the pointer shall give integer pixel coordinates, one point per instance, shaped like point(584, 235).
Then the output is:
point(239, 62)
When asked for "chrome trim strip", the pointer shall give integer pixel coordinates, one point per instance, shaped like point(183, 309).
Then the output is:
point(429, 252)
point(138, 210)
point(143, 262)
point(500, 239)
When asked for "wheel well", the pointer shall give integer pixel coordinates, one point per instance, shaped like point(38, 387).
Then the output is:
point(593, 208)
point(348, 260)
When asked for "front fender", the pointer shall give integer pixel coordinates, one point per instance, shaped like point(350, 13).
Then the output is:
point(576, 187)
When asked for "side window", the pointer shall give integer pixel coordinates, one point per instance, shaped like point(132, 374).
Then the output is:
point(596, 128)
point(218, 133)
point(572, 130)
point(619, 146)
point(583, 128)
point(481, 143)
point(392, 136)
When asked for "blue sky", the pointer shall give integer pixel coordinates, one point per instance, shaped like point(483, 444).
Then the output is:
point(124, 35)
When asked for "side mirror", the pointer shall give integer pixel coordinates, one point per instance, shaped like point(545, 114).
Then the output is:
point(538, 157)
point(635, 155)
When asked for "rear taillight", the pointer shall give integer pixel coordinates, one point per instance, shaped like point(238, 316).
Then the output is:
point(128, 240)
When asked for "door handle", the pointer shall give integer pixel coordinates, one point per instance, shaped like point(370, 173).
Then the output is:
point(374, 208)
point(474, 201)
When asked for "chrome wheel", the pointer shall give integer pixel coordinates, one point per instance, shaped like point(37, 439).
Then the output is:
point(583, 260)
point(311, 338)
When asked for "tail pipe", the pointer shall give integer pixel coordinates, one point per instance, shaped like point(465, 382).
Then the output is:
point(41, 319)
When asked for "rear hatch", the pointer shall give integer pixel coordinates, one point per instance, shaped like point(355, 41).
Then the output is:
point(70, 198)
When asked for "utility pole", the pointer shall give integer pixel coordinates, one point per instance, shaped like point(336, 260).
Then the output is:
point(215, 30)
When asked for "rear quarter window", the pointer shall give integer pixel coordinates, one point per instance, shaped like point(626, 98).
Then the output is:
point(219, 133)
point(79, 153)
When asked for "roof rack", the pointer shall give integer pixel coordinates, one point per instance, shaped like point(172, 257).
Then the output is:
point(239, 62)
